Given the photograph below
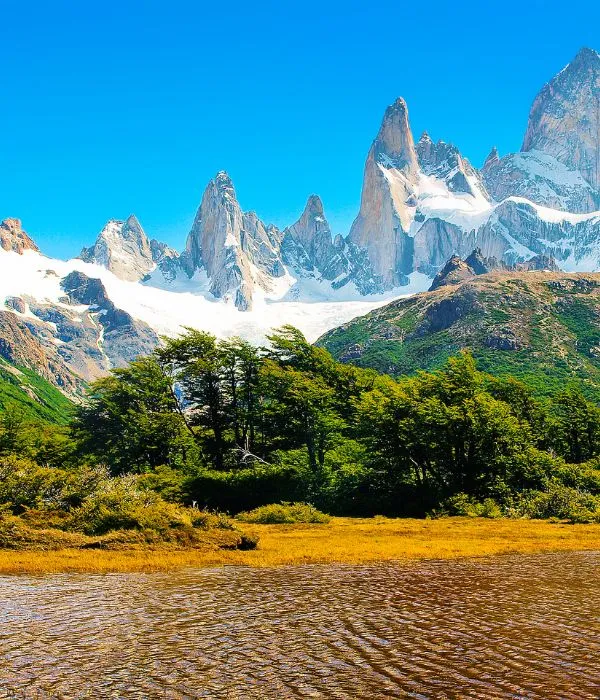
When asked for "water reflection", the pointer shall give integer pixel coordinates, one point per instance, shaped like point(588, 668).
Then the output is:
point(508, 627)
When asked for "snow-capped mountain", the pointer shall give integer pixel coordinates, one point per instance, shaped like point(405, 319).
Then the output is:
point(421, 204)
point(74, 320)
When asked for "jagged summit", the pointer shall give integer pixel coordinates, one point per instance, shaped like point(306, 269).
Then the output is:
point(123, 248)
point(13, 238)
point(394, 144)
point(492, 158)
point(236, 250)
point(308, 247)
point(420, 203)
point(587, 56)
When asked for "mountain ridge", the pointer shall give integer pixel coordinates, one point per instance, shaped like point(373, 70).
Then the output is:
point(422, 203)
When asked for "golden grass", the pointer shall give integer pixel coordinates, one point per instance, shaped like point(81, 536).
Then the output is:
point(343, 540)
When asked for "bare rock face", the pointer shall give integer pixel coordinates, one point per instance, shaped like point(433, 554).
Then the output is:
point(13, 238)
point(238, 252)
point(69, 345)
point(564, 121)
point(308, 245)
point(123, 248)
point(559, 163)
point(388, 199)
point(542, 263)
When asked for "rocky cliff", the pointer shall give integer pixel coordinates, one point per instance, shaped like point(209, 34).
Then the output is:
point(13, 238)
point(123, 248)
point(388, 200)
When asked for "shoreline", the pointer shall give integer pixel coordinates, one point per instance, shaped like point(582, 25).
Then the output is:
point(342, 541)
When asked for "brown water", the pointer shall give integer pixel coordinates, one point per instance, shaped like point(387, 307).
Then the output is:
point(507, 627)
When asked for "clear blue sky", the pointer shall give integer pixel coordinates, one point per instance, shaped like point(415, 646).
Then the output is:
point(110, 108)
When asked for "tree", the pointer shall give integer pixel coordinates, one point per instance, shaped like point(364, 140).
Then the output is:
point(575, 433)
point(130, 420)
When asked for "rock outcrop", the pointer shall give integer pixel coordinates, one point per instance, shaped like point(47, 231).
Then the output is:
point(22, 346)
point(121, 338)
point(454, 271)
point(13, 238)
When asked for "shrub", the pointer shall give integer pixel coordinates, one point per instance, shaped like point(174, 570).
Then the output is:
point(465, 505)
point(284, 513)
point(17, 534)
point(248, 488)
point(562, 502)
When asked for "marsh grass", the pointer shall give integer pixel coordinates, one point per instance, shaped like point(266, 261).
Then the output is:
point(343, 540)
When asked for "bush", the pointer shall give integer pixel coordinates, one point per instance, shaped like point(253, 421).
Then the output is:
point(248, 488)
point(465, 505)
point(15, 533)
point(562, 502)
point(284, 513)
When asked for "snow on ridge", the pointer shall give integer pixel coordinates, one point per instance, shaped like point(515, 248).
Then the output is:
point(556, 216)
point(167, 312)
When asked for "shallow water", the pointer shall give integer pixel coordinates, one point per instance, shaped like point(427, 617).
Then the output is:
point(505, 627)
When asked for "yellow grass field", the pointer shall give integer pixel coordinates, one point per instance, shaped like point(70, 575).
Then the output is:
point(343, 540)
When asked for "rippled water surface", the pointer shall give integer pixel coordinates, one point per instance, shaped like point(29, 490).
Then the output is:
point(508, 627)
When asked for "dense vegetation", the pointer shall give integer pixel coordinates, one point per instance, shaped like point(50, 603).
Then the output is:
point(225, 426)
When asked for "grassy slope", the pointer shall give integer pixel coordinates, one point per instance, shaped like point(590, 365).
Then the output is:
point(343, 540)
point(35, 398)
point(558, 331)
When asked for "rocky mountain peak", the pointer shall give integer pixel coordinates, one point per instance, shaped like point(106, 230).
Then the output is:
point(482, 265)
point(308, 245)
point(564, 121)
point(123, 248)
point(492, 159)
point(388, 201)
point(224, 185)
point(13, 238)
point(394, 145)
point(586, 57)
point(236, 249)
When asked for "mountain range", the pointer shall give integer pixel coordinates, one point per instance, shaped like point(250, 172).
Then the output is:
point(422, 203)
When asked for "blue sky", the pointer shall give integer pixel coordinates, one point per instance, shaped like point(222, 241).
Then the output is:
point(111, 108)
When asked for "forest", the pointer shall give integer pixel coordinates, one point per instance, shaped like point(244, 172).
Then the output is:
point(222, 426)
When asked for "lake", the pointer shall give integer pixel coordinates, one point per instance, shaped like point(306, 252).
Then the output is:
point(505, 627)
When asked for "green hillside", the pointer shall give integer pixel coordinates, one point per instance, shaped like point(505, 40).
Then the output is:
point(35, 398)
point(541, 327)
